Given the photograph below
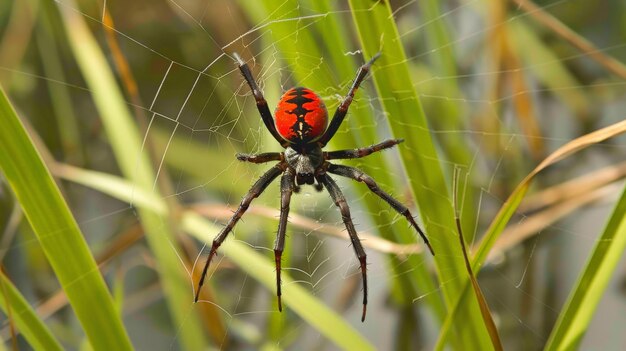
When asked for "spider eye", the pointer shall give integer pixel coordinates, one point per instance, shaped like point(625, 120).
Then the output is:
point(301, 116)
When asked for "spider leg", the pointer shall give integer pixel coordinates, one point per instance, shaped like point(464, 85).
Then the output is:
point(342, 110)
point(361, 152)
point(360, 176)
point(254, 192)
point(260, 158)
point(286, 189)
point(261, 103)
point(340, 201)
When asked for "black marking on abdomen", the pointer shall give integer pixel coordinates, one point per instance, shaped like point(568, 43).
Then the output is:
point(301, 128)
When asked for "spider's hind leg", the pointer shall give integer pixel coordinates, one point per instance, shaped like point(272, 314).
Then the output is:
point(287, 187)
point(340, 201)
point(358, 175)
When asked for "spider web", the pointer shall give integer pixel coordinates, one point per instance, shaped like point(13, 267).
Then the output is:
point(200, 113)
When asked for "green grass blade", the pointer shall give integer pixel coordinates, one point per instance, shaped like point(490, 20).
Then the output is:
point(26, 320)
point(584, 298)
point(58, 234)
point(549, 69)
point(447, 114)
point(377, 32)
point(126, 142)
point(258, 266)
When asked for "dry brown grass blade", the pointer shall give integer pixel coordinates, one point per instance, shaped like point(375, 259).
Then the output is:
point(556, 202)
point(511, 204)
point(118, 57)
point(532, 225)
point(482, 303)
point(509, 80)
point(577, 144)
point(573, 188)
point(523, 104)
point(572, 37)
point(130, 86)
point(368, 240)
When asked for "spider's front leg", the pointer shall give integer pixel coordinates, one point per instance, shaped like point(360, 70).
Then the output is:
point(287, 186)
point(261, 103)
point(254, 192)
point(361, 152)
point(342, 109)
point(340, 201)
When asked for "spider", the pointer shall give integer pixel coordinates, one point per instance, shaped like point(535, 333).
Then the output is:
point(300, 128)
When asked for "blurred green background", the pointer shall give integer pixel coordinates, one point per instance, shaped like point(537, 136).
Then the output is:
point(137, 109)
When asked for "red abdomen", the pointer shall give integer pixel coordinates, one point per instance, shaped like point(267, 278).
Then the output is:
point(301, 116)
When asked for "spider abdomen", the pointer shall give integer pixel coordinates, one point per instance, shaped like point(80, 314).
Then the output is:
point(301, 116)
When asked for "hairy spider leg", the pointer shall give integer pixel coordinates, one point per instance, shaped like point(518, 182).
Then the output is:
point(261, 103)
point(361, 152)
point(340, 201)
point(260, 158)
point(256, 190)
point(358, 175)
point(342, 109)
point(287, 185)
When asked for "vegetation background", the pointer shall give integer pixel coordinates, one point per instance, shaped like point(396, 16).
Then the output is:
point(119, 121)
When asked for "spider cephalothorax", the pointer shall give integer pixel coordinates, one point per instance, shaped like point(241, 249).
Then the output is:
point(305, 163)
point(301, 128)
